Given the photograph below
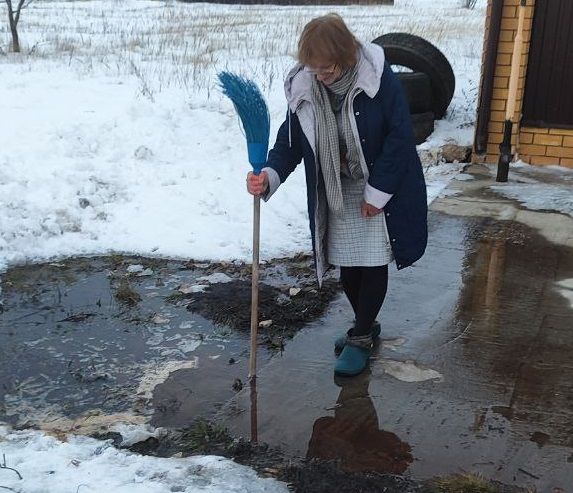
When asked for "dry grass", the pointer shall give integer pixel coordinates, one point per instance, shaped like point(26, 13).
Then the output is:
point(184, 44)
point(463, 483)
point(468, 483)
point(126, 295)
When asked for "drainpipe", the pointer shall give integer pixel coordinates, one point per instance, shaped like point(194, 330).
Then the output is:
point(505, 154)
point(486, 89)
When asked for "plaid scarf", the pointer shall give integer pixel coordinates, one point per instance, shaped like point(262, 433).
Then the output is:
point(337, 149)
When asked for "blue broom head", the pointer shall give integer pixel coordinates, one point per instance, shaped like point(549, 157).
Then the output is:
point(253, 113)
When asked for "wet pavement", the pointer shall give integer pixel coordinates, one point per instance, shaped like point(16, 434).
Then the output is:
point(473, 371)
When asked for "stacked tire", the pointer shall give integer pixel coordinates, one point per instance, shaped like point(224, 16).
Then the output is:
point(429, 84)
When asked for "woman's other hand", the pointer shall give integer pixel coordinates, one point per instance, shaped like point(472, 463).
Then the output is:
point(368, 210)
point(257, 185)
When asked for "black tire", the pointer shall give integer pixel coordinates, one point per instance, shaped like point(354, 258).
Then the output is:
point(420, 55)
point(423, 124)
point(418, 89)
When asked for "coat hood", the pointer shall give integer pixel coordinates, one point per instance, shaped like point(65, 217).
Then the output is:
point(298, 83)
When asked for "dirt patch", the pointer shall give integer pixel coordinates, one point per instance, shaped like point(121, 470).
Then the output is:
point(324, 477)
point(280, 313)
point(302, 475)
point(289, 296)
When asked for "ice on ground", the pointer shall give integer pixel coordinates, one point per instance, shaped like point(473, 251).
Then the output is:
point(565, 288)
point(548, 188)
point(540, 196)
point(134, 433)
point(158, 372)
point(217, 277)
point(408, 371)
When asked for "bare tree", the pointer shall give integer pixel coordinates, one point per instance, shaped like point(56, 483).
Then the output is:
point(14, 17)
point(469, 4)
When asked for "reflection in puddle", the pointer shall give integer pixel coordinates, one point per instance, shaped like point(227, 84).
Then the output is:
point(353, 435)
point(254, 412)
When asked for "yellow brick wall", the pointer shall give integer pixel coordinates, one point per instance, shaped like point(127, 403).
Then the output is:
point(532, 145)
point(546, 146)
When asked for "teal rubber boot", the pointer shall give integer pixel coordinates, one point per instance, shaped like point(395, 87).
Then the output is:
point(340, 342)
point(354, 357)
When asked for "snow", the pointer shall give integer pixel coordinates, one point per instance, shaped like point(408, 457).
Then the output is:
point(84, 464)
point(540, 196)
point(115, 138)
point(132, 433)
point(217, 277)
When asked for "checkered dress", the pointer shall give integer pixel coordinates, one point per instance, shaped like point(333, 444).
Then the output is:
point(353, 240)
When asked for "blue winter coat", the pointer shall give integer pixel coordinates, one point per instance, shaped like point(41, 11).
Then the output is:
point(385, 130)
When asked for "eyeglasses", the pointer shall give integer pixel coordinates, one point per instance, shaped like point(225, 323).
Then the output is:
point(328, 71)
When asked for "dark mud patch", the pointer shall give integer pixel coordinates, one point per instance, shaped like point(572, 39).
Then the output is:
point(325, 477)
point(281, 313)
point(316, 476)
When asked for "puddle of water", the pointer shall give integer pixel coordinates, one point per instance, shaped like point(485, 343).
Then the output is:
point(473, 372)
point(70, 349)
point(108, 336)
point(482, 366)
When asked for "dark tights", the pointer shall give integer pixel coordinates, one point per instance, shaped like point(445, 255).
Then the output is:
point(365, 288)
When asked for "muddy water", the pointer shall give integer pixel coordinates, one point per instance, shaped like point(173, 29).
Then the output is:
point(473, 371)
point(86, 343)
point(71, 349)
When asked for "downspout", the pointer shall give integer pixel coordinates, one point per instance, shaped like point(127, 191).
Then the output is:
point(486, 89)
point(505, 154)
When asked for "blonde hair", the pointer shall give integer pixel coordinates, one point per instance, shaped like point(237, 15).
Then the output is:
point(327, 40)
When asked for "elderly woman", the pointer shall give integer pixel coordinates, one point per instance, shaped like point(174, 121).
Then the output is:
point(349, 120)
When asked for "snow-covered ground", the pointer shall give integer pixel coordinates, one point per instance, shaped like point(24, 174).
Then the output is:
point(43, 464)
point(114, 137)
point(548, 188)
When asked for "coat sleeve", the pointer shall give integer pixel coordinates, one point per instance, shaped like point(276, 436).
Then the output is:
point(285, 155)
point(390, 166)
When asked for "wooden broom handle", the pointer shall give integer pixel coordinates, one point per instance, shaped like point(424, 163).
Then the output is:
point(255, 287)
